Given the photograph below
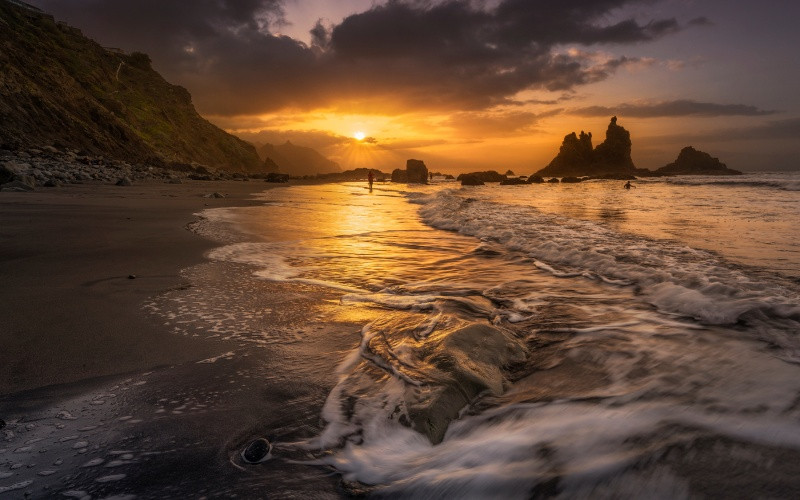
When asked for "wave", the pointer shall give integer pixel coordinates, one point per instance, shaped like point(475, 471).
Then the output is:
point(783, 182)
point(671, 276)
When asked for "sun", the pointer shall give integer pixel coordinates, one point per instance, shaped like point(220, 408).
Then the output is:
point(359, 136)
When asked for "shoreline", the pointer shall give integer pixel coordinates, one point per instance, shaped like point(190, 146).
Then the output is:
point(70, 310)
point(99, 363)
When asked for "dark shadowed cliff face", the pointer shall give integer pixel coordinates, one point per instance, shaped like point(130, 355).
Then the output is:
point(576, 156)
point(59, 88)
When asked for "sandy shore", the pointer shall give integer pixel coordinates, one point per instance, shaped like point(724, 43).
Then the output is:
point(69, 309)
point(100, 396)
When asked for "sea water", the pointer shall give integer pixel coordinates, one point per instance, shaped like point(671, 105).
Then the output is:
point(580, 340)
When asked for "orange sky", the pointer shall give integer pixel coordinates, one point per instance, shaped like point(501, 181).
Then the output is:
point(467, 85)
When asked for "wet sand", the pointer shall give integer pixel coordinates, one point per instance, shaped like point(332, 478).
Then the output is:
point(101, 397)
point(69, 310)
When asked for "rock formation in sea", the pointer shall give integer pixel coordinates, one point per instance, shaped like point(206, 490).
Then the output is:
point(485, 176)
point(577, 158)
point(415, 172)
point(693, 162)
point(60, 89)
point(470, 180)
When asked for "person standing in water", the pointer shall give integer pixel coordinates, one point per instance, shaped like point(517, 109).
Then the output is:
point(628, 185)
point(370, 178)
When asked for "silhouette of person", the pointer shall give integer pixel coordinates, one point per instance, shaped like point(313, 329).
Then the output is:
point(628, 185)
point(370, 178)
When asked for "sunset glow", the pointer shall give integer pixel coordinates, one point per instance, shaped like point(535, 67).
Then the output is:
point(672, 72)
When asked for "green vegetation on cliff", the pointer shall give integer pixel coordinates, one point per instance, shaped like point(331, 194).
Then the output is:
point(59, 88)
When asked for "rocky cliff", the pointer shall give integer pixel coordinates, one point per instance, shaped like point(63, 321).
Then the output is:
point(60, 89)
point(297, 160)
point(577, 158)
point(693, 162)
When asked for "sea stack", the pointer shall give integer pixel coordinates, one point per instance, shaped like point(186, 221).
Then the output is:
point(690, 161)
point(577, 158)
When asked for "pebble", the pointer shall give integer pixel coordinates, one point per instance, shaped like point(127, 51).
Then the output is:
point(257, 451)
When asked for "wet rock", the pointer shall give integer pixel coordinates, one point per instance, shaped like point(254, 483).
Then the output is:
point(470, 180)
point(257, 451)
point(276, 177)
point(486, 176)
point(131, 276)
point(513, 182)
point(399, 175)
point(535, 179)
point(417, 172)
point(51, 183)
point(570, 180)
point(554, 180)
point(125, 181)
point(214, 195)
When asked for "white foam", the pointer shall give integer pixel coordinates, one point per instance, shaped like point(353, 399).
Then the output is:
point(271, 265)
point(673, 277)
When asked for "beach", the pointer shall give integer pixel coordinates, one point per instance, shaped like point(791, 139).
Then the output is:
point(425, 341)
point(84, 364)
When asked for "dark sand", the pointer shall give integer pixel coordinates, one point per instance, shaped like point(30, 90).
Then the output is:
point(102, 398)
point(69, 310)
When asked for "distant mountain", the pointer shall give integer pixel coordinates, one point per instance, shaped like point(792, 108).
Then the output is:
point(297, 160)
point(59, 88)
point(577, 158)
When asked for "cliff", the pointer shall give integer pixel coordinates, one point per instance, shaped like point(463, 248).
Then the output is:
point(297, 160)
point(61, 89)
point(693, 162)
point(577, 158)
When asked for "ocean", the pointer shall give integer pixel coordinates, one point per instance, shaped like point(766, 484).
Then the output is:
point(575, 340)
point(439, 341)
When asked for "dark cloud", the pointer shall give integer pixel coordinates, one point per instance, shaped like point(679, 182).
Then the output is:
point(700, 21)
point(497, 123)
point(445, 55)
point(671, 109)
point(776, 130)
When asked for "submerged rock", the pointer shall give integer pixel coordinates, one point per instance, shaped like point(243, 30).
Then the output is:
point(435, 371)
point(257, 451)
point(125, 181)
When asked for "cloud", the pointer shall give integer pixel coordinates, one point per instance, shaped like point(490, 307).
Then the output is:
point(442, 55)
point(672, 109)
point(496, 123)
point(700, 21)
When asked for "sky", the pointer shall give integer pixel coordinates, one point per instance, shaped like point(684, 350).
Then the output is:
point(476, 84)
